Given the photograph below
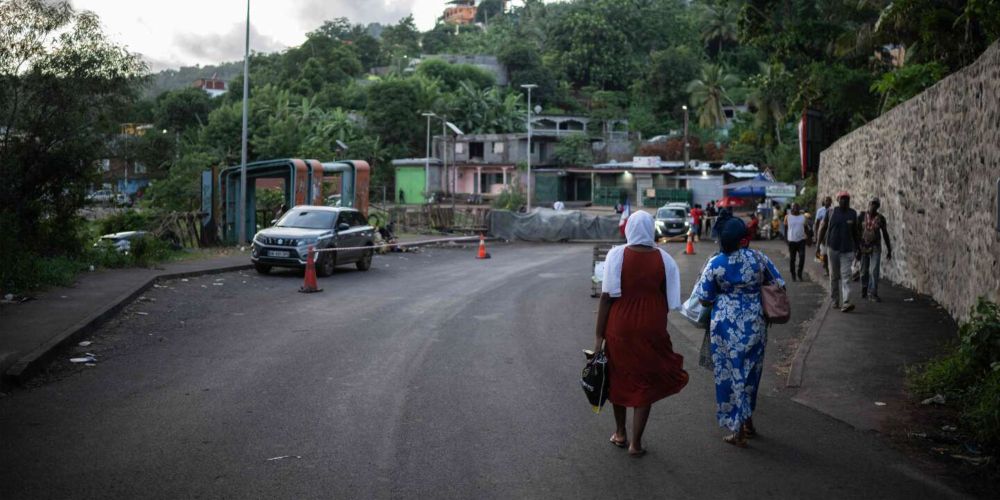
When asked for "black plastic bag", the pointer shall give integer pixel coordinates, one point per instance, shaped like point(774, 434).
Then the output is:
point(595, 380)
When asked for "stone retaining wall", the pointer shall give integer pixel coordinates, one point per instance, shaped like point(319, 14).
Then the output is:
point(934, 161)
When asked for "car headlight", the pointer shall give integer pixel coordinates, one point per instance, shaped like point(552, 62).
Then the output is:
point(660, 223)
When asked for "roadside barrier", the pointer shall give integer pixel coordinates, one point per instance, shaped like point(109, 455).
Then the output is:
point(482, 248)
point(690, 244)
point(459, 239)
point(309, 285)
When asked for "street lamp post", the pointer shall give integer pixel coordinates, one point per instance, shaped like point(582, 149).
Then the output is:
point(242, 232)
point(427, 156)
point(686, 144)
point(529, 86)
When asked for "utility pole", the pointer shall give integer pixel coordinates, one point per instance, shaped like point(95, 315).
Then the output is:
point(686, 144)
point(242, 233)
point(529, 86)
point(427, 156)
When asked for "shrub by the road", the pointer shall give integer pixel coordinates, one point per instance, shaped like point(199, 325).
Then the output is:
point(969, 375)
point(27, 268)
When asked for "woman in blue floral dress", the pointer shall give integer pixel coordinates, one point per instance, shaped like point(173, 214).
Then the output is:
point(730, 284)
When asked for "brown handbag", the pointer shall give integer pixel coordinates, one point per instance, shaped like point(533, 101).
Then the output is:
point(773, 296)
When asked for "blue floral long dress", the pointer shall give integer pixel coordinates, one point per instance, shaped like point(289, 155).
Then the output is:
point(738, 330)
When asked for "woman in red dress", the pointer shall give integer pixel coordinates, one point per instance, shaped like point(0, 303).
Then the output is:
point(641, 282)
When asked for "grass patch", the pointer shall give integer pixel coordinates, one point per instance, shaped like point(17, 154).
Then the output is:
point(969, 375)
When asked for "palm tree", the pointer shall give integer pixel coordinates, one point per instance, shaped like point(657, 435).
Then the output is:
point(708, 94)
point(719, 24)
point(767, 98)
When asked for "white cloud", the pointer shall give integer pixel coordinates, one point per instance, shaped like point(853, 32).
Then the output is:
point(226, 46)
point(188, 32)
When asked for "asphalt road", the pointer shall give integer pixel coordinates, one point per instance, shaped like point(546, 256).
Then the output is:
point(432, 375)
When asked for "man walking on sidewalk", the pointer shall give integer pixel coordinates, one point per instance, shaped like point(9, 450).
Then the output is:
point(795, 234)
point(820, 243)
point(840, 232)
point(873, 230)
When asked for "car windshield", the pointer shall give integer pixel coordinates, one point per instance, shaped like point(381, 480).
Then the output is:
point(308, 219)
point(669, 213)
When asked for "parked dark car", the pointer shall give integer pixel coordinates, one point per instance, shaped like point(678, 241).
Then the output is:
point(671, 220)
point(286, 244)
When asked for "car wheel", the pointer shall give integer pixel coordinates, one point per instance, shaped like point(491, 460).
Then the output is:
point(365, 262)
point(262, 268)
point(326, 264)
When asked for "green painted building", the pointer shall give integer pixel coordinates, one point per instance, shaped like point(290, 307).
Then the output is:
point(410, 175)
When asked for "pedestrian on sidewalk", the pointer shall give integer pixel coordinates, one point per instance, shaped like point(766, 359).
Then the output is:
point(840, 231)
point(795, 224)
point(730, 284)
point(820, 243)
point(710, 214)
point(874, 229)
point(641, 283)
point(696, 215)
point(751, 231)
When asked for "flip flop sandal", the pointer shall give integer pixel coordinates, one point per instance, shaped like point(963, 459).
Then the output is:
point(621, 444)
point(735, 440)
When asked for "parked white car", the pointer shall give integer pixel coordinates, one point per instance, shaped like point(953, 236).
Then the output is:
point(122, 199)
point(102, 196)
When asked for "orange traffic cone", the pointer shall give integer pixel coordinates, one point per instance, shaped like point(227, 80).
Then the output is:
point(482, 247)
point(690, 245)
point(310, 286)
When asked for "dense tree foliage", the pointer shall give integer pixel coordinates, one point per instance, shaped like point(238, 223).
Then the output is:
point(367, 85)
point(63, 85)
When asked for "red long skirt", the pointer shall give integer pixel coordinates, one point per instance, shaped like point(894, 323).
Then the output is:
point(643, 365)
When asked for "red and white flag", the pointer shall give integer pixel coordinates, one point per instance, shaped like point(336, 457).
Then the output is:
point(624, 219)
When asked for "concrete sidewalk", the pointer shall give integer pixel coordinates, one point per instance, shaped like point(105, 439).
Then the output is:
point(852, 366)
point(28, 331)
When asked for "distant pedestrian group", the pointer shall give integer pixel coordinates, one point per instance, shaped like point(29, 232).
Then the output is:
point(851, 241)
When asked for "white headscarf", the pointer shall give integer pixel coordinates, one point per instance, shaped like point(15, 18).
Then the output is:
point(639, 231)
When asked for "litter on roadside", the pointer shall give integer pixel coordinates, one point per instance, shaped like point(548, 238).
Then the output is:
point(140, 313)
point(83, 359)
point(283, 457)
point(949, 428)
point(218, 284)
point(185, 280)
point(879, 403)
point(911, 299)
point(973, 460)
point(938, 399)
point(10, 298)
point(85, 343)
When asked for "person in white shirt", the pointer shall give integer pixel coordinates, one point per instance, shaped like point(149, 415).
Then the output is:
point(558, 205)
point(795, 233)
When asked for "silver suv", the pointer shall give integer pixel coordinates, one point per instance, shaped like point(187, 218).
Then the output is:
point(671, 220)
point(286, 244)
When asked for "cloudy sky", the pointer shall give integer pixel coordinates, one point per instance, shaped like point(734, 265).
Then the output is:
point(177, 33)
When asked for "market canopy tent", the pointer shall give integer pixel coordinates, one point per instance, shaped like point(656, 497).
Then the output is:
point(754, 188)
